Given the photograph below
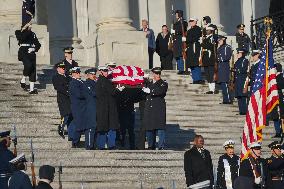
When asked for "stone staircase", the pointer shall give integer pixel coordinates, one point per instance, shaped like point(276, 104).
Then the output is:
point(189, 112)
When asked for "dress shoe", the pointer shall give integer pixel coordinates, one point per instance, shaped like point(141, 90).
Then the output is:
point(23, 86)
point(33, 92)
point(216, 92)
point(278, 135)
point(61, 132)
point(209, 92)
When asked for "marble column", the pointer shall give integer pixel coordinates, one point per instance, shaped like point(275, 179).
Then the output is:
point(82, 18)
point(248, 11)
point(11, 11)
point(116, 39)
point(114, 15)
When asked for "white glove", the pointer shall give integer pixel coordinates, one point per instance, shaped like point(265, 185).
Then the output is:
point(120, 88)
point(173, 31)
point(183, 39)
point(146, 75)
point(257, 180)
point(30, 50)
point(146, 90)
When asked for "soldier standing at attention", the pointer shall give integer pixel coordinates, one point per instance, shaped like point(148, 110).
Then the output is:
point(179, 28)
point(242, 38)
point(228, 167)
point(29, 45)
point(154, 119)
point(61, 85)
point(68, 60)
point(198, 165)
point(224, 54)
point(193, 50)
point(241, 68)
point(208, 58)
point(5, 156)
point(276, 166)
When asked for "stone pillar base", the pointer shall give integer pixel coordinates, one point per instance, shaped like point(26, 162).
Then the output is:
point(123, 47)
point(9, 44)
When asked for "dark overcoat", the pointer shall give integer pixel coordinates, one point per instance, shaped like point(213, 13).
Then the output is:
point(43, 185)
point(196, 168)
point(243, 41)
point(20, 180)
point(91, 112)
point(5, 167)
point(241, 69)
point(208, 56)
point(155, 106)
point(177, 37)
point(162, 47)
point(224, 54)
point(107, 115)
point(68, 66)
point(193, 46)
point(61, 85)
point(78, 103)
point(227, 165)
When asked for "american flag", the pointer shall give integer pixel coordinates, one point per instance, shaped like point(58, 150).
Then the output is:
point(264, 97)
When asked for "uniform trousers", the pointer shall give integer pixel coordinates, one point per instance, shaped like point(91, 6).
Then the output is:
point(89, 138)
point(225, 92)
point(180, 64)
point(104, 138)
point(29, 68)
point(277, 184)
point(277, 126)
point(196, 73)
point(127, 121)
point(242, 103)
point(209, 73)
point(167, 62)
point(151, 138)
point(65, 121)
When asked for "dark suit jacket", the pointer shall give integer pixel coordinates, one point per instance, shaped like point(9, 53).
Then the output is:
point(196, 168)
point(43, 185)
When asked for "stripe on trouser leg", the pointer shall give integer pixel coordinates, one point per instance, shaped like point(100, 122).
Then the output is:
point(228, 96)
point(89, 137)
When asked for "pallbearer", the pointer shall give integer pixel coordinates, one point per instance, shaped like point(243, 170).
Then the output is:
point(241, 68)
point(228, 167)
point(193, 50)
point(178, 32)
point(224, 54)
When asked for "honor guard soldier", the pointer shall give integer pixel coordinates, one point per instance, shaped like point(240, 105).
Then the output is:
point(19, 179)
point(106, 106)
point(224, 54)
point(46, 177)
point(241, 69)
point(163, 49)
point(228, 167)
point(155, 110)
point(276, 166)
point(68, 60)
point(91, 113)
point(208, 58)
point(28, 12)
point(198, 165)
point(254, 167)
point(5, 156)
point(193, 50)
point(179, 29)
point(29, 45)
point(206, 22)
point(61, 85)
point(242, 38)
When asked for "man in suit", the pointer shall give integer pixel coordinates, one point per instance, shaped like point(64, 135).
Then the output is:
point(154, 119)
point(162, 48)
point(61, 85)
point(193, 50)
point(5, 156)
point(149, 33)
point(198, 165)
point(19, 179)
point(46, 176)
point(228, 167)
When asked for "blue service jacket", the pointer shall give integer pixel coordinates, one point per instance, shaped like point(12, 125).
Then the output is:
point(91, 103)
point(241, 69)
point(5, 168)
point(20, 180)
point(224, 54)
point(77, 90)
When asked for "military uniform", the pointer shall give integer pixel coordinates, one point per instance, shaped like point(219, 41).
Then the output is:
point(29, 45)
point(19, 178)
point(179, 28)
point(154, 120)
point(198, 166)
point(241, 68)
point(61, 85)
point(5, 156)
point(242, 39)
point(28, 12)
point(107, 115)
point(276, 168)
point(193, 52)
point(69, 66)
